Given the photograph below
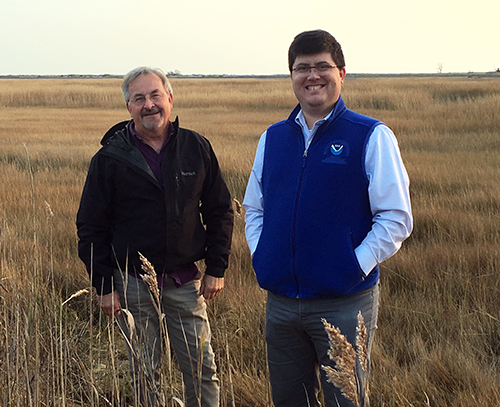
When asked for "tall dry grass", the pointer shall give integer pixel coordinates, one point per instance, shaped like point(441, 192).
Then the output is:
point(439, 336)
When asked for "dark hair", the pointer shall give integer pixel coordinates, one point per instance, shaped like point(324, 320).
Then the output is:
point(315, 42)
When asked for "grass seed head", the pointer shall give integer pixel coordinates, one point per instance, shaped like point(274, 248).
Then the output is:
point(238, 206)
point(77, 294)
point(362, 342)
point(150, 276)
point(343, 375)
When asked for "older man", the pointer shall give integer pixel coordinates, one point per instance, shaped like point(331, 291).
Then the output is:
point(156, 189)
point(326, 202)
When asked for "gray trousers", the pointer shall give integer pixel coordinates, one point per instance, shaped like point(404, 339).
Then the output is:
point(189, 334)
point(297, 344)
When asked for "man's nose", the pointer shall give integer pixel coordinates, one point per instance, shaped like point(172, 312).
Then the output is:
point(148, 104)
point(313, 72)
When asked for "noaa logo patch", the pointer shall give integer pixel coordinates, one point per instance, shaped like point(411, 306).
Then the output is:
point(336, 148)
point(336, 152)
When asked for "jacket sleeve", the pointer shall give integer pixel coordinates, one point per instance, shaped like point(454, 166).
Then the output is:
point(217, 214)
point(94, 228)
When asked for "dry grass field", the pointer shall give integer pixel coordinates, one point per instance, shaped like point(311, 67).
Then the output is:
point(438, 342)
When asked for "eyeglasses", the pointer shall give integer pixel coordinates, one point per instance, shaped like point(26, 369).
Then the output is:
point(321, 68)
point(141, 100)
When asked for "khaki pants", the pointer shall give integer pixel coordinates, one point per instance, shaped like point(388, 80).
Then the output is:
point(189, 333)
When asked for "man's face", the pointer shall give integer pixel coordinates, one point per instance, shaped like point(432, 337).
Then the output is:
point(317, 91)
point(149, 116)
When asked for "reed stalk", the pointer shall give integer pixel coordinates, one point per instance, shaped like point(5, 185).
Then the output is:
point(350, 372)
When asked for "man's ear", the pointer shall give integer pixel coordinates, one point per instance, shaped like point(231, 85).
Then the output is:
point(342, 73)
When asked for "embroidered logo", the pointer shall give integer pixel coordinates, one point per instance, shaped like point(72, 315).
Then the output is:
point(336, 148)
point(188, 173)
point(336, 152)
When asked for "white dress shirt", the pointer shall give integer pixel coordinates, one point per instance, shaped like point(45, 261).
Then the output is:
point(388, 193)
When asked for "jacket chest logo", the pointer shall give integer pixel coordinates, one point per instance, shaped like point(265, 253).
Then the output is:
point(336, 148)
point(336, 152)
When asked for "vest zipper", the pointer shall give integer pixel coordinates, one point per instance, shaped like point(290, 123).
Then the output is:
point(294, 222)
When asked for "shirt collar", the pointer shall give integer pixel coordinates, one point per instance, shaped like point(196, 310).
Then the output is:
point(171, 129)
point(301, 120)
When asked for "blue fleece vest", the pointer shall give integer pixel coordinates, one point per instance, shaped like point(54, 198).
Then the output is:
point(316, 208)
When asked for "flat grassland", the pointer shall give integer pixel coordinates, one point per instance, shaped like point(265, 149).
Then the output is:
point(438, 341)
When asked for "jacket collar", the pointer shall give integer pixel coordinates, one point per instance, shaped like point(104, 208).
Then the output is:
point(120, 127)
point(117, 143)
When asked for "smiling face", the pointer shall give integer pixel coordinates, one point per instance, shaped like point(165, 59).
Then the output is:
point(317, 92)
point(150, 118)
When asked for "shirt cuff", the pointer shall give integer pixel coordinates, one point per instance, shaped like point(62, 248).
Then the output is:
point(365, 258)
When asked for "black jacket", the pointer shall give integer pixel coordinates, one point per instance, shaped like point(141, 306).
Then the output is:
point(124, 210)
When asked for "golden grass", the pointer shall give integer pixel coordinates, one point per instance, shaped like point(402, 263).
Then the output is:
point(343, 374)
point(439, 336)
point(351, 364)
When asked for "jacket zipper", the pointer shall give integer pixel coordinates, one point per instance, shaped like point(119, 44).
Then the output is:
point(177, 189)
point(294, 221)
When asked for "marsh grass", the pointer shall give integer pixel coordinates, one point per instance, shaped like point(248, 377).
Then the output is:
point(343, 374)
point(439, 337)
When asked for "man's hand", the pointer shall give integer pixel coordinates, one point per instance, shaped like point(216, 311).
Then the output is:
point(110, 304)
point(211, 286)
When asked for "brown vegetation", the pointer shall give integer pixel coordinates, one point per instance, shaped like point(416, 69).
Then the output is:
point(439, 336)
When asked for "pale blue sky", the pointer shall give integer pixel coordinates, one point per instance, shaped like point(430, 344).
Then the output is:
point(244, 37)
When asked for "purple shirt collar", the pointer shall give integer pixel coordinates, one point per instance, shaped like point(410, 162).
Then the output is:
point(151, 156)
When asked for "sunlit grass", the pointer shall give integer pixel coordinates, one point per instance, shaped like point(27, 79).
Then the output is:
point(439, 323)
